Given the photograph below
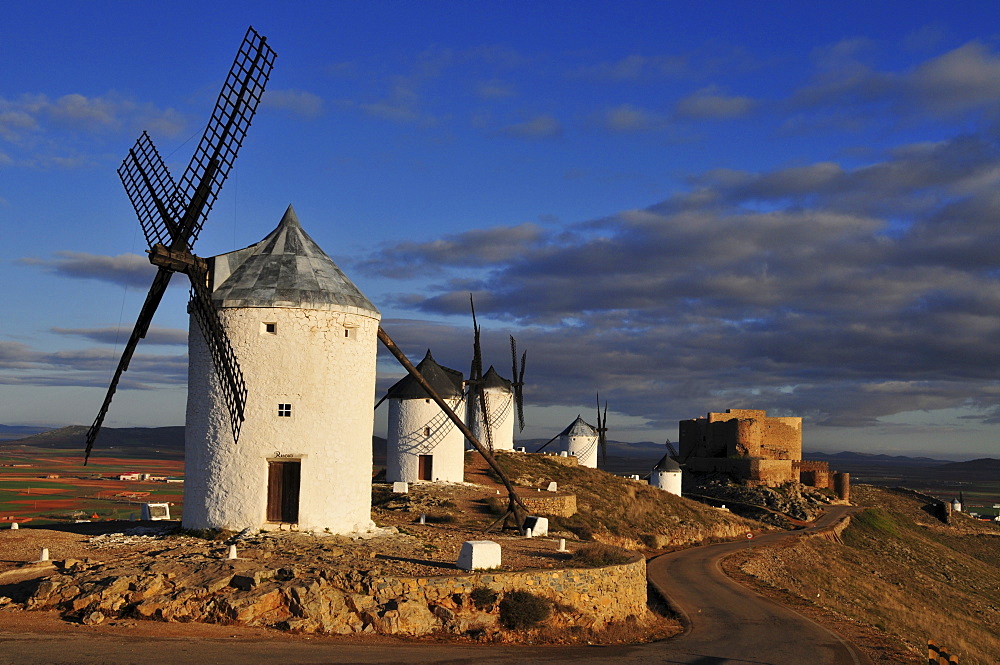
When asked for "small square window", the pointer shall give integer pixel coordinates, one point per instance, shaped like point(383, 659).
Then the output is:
point(269, 328)
point(284, 410)
point(350, 333)
point(427, 431)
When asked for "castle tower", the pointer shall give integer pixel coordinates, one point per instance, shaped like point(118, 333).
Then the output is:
point(305, 338)
point(580, 441)
point(421, 442)
point(666, 475)
point(500, 406)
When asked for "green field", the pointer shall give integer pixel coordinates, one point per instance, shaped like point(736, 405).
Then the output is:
point(80, 492)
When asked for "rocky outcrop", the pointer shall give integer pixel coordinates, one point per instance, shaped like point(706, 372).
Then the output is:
point(792, 499)
point(244, 592)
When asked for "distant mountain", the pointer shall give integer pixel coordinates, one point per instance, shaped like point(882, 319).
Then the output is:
point(984, 466)
point(20, 431)
point(124, 441)
point(852, 457)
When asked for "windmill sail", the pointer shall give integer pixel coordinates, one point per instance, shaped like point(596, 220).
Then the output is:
point(172, 216)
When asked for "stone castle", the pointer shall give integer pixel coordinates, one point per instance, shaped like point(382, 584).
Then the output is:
point(749, 446)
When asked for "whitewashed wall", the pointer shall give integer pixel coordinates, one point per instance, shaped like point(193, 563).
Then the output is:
point(405, 441)
point(668, 481)
point(329, 380)
point(500, 404)
point(584, 448)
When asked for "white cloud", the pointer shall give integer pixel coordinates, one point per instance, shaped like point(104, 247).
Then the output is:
point(539, 127)
point(131, 269)
point(299, 102)
point(712, 104)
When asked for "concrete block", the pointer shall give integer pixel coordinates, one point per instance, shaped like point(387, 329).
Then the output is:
point(156, 511)
point(539, 526)
point(401, 488)
point(479, 555)
point(553, 487)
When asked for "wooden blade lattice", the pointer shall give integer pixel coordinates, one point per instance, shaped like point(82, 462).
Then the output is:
point(517, 381)
point(150, 188)
point(225, 132)
point(173, 215)
point(227, 369)
point(153, 297)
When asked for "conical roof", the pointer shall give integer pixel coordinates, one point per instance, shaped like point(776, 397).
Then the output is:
point(493, 380)
point(285, 269)
point(667, 463)
point(579, 427)
point(445, 381)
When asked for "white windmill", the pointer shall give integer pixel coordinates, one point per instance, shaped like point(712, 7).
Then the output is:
point(282, 345)
point(494, 396)
point(421, 441)
point(306, 340)
point(580, 440)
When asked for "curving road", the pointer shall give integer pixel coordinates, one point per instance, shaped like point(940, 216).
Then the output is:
point(727, 625)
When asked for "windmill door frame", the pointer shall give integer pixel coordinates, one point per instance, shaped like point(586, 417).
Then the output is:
point(425, 467)
point(284, 478)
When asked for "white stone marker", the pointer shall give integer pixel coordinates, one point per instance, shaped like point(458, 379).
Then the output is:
point(527, 533)
point(401, 488)
point(423, 518)
point(539, 526)
point(563, 454)
point(553, 486)
point(562, 545)
point(14, 526)
point(232, 552)
point(479, 555)
point(44, 556)
point(155, 511)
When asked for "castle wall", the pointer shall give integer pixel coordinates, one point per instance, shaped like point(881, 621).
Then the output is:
point(747, 437)
point(422, 428)
point(750, 470)
point(813, 473)
point(322, 362)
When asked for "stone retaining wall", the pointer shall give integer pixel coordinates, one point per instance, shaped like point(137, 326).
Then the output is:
point(599, 595)
point(568, 460)
point(561, 504)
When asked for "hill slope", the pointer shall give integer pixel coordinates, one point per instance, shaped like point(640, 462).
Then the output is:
point(624, 512)
point(899, 569)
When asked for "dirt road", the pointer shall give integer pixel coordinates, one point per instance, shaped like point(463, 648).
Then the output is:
point(729, 625)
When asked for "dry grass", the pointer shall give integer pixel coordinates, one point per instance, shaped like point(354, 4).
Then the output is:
point(903, 572)
point(624, 513)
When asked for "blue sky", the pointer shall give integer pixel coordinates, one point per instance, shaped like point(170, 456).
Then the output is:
point(685, 206)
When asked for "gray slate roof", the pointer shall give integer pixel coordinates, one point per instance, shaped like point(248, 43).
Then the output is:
point(285, 269)
point(493, 380)
point(667, 463)
point(579, 427)
point(445, 381)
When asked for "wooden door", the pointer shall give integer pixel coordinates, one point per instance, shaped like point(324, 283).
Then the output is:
point(283, 491)
point(425, 468)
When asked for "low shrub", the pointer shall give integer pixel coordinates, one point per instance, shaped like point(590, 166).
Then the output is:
point(520, 610)
point(484, 598)
point(596, 555)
